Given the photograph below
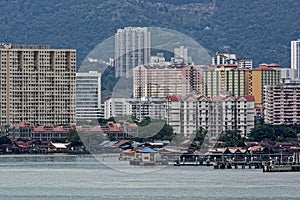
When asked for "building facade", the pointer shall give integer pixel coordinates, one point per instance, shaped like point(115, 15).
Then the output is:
point(27, 131)
point(282, 103)
point(287, 74)
point(265, 74)
point(223, 58)
point(88, 96)
point(295, 57)
point(215, 115)
point(163, 81)
point(181, 52)
point(139, 108)
point(37, 84)
point(226, 78)
point(132, 48)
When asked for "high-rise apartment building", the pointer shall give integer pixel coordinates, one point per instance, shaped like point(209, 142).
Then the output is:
point(226, 78)
point(163, 81)
point(181, 52)
point(240, 81)
point(132, 48)
point(37, 84)
point(223, 58)
point(217, 114)
point(295, 57)
point(265, 74)
point(282, 103)
point(88, 95)
point(287, 74)
point(245, 63)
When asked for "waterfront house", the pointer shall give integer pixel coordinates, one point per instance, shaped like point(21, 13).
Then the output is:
point(148, 156)
point(59, 147)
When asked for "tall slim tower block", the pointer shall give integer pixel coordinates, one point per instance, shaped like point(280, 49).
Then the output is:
point(295, 57)
point(132, 48)
point(88, 95)
point(181, 52)
point(37, 84)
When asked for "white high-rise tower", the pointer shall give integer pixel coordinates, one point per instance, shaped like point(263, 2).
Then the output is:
point(295, 57)
point(132, 48)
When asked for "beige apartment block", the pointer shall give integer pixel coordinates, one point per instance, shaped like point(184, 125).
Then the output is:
point(37, 84)
point(282, 103)
point(163, 81)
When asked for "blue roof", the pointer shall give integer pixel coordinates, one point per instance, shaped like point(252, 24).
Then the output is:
point(138, 144)
point(147, 150)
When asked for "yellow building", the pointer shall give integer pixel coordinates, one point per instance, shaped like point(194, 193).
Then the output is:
point(240, 81)
point(226, 78)
point(265, 74)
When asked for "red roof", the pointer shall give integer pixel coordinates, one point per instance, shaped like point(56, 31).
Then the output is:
point(174, 98)
point(120, 143)
point(22, 144)
point(227, 65)
point(113, 127)
point(59, 129)
point(240, 69)
point(262, 69)
point(44, 129)
point(39, 129)
point(273, 65)
point(95, 129)
point(247, 97)
point(128, 151)
point(23, 124)
point(221, 98)
point(204, 97)
point(255, 148)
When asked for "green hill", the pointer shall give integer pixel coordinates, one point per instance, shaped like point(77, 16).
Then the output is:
point(258, 29)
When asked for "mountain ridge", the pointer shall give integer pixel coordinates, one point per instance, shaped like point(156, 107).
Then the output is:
point(261, 30)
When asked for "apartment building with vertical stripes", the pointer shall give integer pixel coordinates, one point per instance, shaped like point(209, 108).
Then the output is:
point(37, 84)
point(282, 103)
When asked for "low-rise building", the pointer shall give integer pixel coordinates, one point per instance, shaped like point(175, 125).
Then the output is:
point(139, 108)
point(27, 131)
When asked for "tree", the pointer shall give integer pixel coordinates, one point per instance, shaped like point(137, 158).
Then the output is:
point(166, 133)
point(232, 138)
point(5, 140)
point(269, 132)
point(262, 132)
point(200, 139)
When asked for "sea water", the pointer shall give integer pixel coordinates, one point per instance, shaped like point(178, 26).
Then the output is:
point(82, 179)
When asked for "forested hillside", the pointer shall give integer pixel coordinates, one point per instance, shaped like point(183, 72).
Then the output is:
point(258, 29)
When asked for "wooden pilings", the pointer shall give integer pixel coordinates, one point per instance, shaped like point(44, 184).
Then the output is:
point(237, 165)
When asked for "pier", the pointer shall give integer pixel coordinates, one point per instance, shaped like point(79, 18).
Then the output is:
point(245, 161)
point(238, 164)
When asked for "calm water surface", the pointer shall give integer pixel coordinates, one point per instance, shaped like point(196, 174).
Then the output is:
point(89, 179)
